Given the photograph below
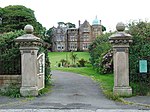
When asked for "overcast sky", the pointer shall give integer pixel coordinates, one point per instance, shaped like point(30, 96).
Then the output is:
point(49, 12)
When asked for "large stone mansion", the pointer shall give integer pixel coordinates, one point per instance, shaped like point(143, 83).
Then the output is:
point(75, 39)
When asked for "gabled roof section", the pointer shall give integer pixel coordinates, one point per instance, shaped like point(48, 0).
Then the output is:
point(85, 24)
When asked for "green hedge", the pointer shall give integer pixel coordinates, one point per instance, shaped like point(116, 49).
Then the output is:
point(10, 54)
point(139, 49)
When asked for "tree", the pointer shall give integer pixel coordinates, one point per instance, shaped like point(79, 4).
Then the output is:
point(49, 34)
point(39, 30)
point(1, 13)
point(49, 37)
point(103, 28)
point(15, 17)
point(70, 25)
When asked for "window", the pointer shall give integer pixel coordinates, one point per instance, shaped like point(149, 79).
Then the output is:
point(72, 38)
point(60, 47)
point(62, 37)
point(95, 31)
point(86, 30)
point(58, 38)
point(85, 37)
point(73, 46)
point(85, 46)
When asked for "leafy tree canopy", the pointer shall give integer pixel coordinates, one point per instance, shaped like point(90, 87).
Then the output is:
point(59, 23)
point(15, 17)
point(68, 24)
point(103, 28)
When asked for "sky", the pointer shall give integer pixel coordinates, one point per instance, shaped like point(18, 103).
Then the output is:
point(110, 12)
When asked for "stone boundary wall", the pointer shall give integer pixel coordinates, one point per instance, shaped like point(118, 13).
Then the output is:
point(6, 80)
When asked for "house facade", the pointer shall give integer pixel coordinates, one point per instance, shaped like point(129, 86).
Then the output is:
point(75, 39)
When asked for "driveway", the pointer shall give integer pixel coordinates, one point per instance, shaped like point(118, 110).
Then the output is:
point(69, 91)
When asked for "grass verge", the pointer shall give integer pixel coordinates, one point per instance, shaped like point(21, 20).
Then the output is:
point(12, 90)
point(45, 90)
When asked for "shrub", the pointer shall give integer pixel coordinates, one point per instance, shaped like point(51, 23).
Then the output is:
point(82, 62)
point(63, 62)
point(97, 50)
point(106, 62)
point(59, 64)
point(73, 65)
point(11, 90)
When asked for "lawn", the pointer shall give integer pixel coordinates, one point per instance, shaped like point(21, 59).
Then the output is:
point(55, 57)
point(106, 81)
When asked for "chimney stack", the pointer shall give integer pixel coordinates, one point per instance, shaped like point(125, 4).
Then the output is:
point(100, 22)
point(79, 23)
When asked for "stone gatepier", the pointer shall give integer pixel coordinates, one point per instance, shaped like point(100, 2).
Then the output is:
point(120, 42)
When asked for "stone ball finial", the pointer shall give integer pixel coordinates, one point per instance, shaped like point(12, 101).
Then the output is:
point(29, 29)
point(120, 27)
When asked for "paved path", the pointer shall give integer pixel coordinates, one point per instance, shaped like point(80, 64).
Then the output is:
point(72, 110)
point(139, 100)
point(70, 91)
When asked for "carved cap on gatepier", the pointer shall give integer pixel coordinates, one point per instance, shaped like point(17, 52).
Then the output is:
point(120, 27)
point(29, 29)
point(28, 39)
point(120, 37)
